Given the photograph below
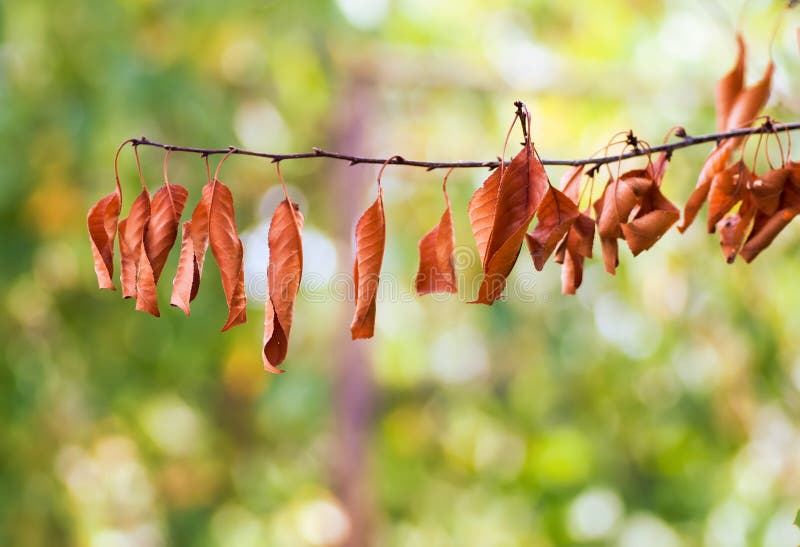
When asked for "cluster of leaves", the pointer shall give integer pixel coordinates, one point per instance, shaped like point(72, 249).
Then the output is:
point(749, 210)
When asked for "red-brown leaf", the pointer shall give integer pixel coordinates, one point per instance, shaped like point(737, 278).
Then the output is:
point(576, 248)
point(767, 189)
point(715, 162)
point(370, 241)
point(131, 238)
point(750, 101)
point(500, 212)
point(767, 226)
point(437, 271)
point(187, 278)
point(734, 227)
point(102, 223)
point(555, 215)
point(166, 208)
point(571, 183)
point(730, 86)
point(228, 252)
point(283, 281)
point(726, 191)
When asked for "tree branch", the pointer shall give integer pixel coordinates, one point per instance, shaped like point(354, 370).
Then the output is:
point(685, 142)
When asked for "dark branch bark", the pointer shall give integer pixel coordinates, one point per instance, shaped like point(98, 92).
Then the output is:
point(685, 142)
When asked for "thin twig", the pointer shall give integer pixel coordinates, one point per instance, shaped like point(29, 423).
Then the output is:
point(685, 142)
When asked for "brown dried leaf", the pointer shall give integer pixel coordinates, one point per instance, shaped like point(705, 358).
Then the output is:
point(131, 238)
point(187, 278)
point(284, 273)
point(715, 162)
point(102, 223)
point(437, 271)
point(577, 247)
point(500, 212)
point(228, 252)
point(571, 183)
point(166, 209)
point(734, 227)
point(726, 191)
point(370, 241)
point(556, 213)
point(767, 226)
point(750, 101)
point(767, 189)
point(730, 86)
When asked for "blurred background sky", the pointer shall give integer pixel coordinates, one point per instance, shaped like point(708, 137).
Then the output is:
point(660, 407)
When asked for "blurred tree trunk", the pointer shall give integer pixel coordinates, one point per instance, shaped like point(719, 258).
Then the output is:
point(354, 388)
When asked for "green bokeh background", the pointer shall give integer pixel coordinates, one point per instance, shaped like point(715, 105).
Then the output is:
point(658, 407)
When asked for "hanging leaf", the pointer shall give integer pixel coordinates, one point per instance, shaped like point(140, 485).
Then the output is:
point(730, 86)
point(734, 227)
point(750, 102)
point(283, 281)
point(500, 212)
point(715, 163)
point(187, 278)
point(131, 238)
point(102, 223)
point(437, 271)
point(555, 214)
point(228, 251)
point(370, 241)
point(653, 215)
point(571, 183)
point(166, 209)
point(767, 190)
point(767, 226)
point(726, 191)
point(614, 207)
point(576, 248)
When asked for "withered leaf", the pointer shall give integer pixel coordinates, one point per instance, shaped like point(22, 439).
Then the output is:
point(102, 223)
point(437, 271)
point(734, 227)
point(187, 279)
point(726, 191)
point(131, 240)
point(228, 251)
point(500, 212)
point(768, 188)
point(750, 101)
point(577, 247)
point(283, 281)
point(767, 226)
point(614, 207)
point(166, 209)
point(555, 215)
point(730, 86)
point(370, 241)
point(715, 162)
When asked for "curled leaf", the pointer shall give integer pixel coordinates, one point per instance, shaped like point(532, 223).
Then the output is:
point(102, 223)
point(767, 226)
point(730, 86)
point(187, 279)
point(283, 281)
point(767, 190)
point(750, 101)
point(576, 248)
point(131, 239)
point(228, 252)
point(726, 191)
point(715, 163)
point(556, 213)
point(370, 241)
point(436, 267)
point(166, 209)
point(734, 227)
point(500, 212)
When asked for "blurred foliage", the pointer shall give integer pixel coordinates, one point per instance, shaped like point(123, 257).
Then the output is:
point(659, 407)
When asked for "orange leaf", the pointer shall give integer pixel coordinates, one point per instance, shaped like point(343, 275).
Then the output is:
point(729, 87)
point(187, 278)
point(159, 237)
point(750, 101)
point(436, 267)
point(577, 247)
point(734, 227)
point(500, 212)
point(767, 189)
point(556, 213)
point(228, 251)
point(131, 237)
point(283, 280)
point(370, 241)
point(571, 183)
point(715, 162)
point(726, 191)
point(767, 226)
point(102, 223)
point(614, 207)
